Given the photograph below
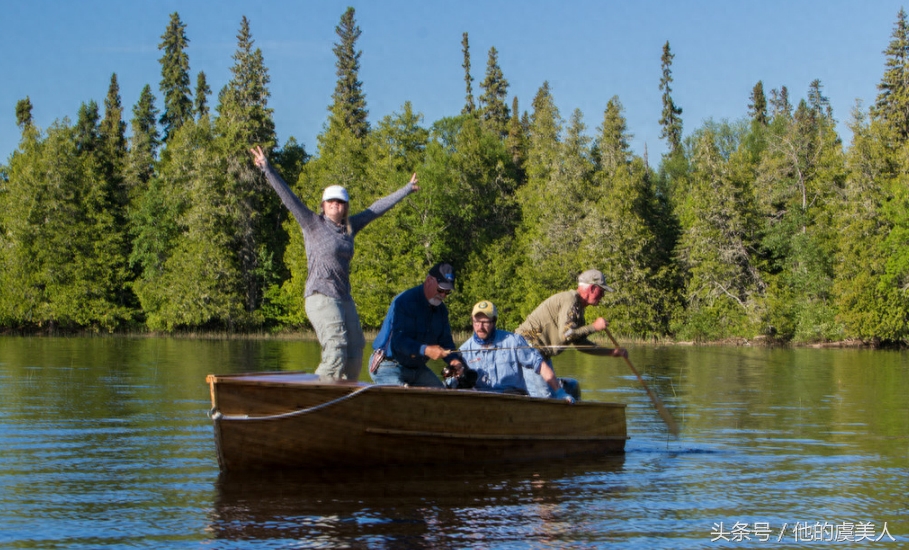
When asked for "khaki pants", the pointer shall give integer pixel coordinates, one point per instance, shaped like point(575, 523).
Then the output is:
point(337, 327)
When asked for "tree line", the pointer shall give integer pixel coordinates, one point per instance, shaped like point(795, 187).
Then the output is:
point(766, 225)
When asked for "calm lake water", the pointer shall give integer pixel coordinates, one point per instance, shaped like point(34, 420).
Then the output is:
point(105, 442)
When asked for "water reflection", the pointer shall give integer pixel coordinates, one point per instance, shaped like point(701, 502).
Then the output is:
point(104, 442)
point(402, 507)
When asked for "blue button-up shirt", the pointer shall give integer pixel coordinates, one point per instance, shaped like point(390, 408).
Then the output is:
point(501, 361)
point(411, 324)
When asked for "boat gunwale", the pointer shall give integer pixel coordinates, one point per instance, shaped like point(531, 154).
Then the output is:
point(311, 381)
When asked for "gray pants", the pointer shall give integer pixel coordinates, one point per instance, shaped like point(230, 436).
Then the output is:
point(337, 327)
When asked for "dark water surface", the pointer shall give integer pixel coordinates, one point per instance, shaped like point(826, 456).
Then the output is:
point(105, 442)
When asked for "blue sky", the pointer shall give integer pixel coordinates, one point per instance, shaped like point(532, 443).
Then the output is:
point(62, 53)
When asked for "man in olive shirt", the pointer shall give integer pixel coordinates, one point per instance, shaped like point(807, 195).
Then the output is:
point(559, 322)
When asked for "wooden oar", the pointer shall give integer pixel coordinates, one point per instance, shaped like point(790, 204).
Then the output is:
point(667, 418)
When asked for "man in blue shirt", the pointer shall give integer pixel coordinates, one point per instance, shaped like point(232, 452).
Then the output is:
point(502, 359)
point(416, 329)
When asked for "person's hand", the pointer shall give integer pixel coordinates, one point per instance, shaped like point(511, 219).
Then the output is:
point(259, 156)
point(620, 352)
point(600, 324)
point(562, 394)
point(436, 352)
point(414, 180)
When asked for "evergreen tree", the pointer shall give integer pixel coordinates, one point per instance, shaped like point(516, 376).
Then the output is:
point(864, 302)
point(757, 109)
point(24, 113)
point(469, 106)
point(670, 120)
point(612, 149)
point(799, 182)
point(818, 104)
point(349, 100)
point(552, 206)
point(243, 113)
point(200, 104)
point(544, 134)
point(723, 286)
point(112, 157)
point(390, 251)
point(515, 143)
point(87, 132)
point(244, 118)
point(175, 88)
point(190, 275)
point(779, 103)
point(62, 253)
point(493, 109)
point(112, 133)
point(618, 236)
point(113, 129)
point(892, 104)
point(469, 212)
point(894, 278)
point(143, 143)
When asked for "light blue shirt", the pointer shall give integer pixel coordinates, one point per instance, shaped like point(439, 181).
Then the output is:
point(501, 361)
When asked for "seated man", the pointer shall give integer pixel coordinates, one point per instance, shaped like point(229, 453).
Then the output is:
point(502, 358)
point(415, 330)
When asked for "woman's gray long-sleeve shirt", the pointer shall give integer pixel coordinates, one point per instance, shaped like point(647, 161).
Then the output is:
point(329, 247)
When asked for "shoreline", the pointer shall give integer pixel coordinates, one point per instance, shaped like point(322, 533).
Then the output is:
point(459, 336)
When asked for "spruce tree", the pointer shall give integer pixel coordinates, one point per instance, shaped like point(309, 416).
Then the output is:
point(24, 113)
point(113, 128)
point(87, 132)
point(492, 107)
point(200, 104)
point(469, 106)
point(892, 103)
point(515, 142)
point(469, 210)
point(349, 100)
point(670, 120)
point(143, 143)
point(244, 118)
point(551, 204)
point(779, 103)
point(391, 249)
point(862, 299)
point(62, 254)
point(818, 104)
point(799, 183)
point(243, 112)
point(175, 84)
point(757, 109)
point(612, 149)
point(618, 235)
point(723, 286)
point(112, 156)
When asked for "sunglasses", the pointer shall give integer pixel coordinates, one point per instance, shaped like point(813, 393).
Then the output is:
point(442, 291)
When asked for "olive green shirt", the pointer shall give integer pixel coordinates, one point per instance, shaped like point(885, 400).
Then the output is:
point(559, 321)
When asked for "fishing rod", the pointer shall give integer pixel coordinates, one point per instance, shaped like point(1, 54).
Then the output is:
point(553, 347)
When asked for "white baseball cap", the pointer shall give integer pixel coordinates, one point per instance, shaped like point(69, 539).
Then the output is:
point(335, 192)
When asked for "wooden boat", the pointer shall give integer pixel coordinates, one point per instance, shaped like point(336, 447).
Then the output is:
point(291, 420)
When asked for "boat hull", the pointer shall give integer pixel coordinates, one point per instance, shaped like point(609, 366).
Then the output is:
point(291, 420)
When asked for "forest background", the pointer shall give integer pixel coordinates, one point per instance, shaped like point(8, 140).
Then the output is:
point(156, 219)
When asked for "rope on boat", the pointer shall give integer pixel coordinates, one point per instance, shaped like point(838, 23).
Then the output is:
point(216, 415)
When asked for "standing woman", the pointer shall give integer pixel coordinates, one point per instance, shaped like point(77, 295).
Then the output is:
point(329, 241)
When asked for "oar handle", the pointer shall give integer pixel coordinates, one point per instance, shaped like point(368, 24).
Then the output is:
point(664, 413)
